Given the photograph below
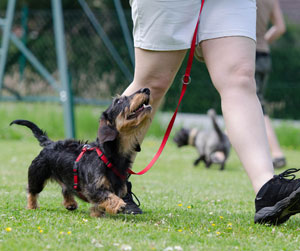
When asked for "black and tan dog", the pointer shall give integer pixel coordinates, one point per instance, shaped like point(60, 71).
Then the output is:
point(207, 142)
point(98, 184)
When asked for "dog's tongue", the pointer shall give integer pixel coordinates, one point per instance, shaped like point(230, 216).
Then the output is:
point(140, 109)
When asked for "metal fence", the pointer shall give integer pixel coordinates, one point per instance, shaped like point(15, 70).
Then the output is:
point(94, 72)
point(100, 65)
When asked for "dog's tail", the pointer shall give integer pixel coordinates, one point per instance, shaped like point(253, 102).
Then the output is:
point(212, 114)
point(37, 132)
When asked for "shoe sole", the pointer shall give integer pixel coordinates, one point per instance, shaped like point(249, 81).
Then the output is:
point(281, 211)
point(132, 209)
point(132, 212)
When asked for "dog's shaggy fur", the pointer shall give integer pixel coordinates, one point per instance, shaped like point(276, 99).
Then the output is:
point(118, 130)
point(207, 142)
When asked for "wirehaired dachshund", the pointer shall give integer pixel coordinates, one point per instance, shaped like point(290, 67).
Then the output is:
point(207, 142)
point(98, 184)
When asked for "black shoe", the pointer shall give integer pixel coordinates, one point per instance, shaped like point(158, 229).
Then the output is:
point(131, 207)
point(278, 199)
point(279, 162)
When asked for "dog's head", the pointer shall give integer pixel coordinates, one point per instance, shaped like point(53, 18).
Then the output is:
point(125, 118)
point(181, 138)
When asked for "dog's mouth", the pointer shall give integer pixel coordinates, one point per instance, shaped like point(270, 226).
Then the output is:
point(141, 109)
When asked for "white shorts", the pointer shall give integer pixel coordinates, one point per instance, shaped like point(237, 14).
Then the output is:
point(165, 25)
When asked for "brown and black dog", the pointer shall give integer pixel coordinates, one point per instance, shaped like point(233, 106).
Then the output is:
point(99, 185)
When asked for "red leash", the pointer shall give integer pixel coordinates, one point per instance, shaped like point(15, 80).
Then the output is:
point(185, 81)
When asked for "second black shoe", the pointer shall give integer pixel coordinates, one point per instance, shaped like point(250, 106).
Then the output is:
point(131, 207)
point(278, 199)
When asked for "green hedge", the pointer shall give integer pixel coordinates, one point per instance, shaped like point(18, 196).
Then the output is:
point(282, 92)
point(95, 75)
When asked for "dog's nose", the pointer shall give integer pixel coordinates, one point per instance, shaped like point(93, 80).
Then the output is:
point(146, 90)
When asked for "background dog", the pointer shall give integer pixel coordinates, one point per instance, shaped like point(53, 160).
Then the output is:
point(207, 142)
point(99, 185)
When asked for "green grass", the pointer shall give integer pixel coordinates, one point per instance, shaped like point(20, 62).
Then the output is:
point(194, 208)
point(288, 136)
point(49, 117)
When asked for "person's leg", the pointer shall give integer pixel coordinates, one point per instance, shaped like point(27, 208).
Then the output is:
point(231, 64)
point(155, 70)
point(272, 138)
point(263, 66)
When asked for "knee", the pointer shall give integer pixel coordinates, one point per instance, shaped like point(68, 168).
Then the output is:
point(157, 83)
point(239, 80)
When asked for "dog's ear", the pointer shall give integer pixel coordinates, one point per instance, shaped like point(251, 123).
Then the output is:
point(106, 132)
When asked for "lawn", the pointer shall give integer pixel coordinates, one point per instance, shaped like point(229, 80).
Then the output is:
point(185, 208)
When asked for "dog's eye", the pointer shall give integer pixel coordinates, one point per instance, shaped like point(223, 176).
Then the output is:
point(116, 101)
point(119, 101)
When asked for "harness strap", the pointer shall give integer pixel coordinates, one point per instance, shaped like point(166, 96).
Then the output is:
point(108, 164)
point(185, 81)
point(101, 156)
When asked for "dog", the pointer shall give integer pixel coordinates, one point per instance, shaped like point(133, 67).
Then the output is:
point(207, 142)
point(99, 183)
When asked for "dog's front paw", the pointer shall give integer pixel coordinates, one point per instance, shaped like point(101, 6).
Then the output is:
point(122, 207)
point(113, 204)
point(32, 207)
point(97, 212)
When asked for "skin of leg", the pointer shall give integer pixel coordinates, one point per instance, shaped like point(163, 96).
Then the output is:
point(273, 142)
point(231, 64)
point(155, 70)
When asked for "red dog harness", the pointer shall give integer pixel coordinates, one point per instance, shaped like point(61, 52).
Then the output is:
point(101, 155)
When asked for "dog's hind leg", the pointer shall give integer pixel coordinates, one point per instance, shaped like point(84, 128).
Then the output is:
point(196, 162)
point(38, 174)
point(207, 163)
point(222, 166)
point(69, 201)
point(32, 201)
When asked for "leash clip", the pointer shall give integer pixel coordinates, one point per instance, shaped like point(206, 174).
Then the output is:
point(86, 147)
point(186, 79)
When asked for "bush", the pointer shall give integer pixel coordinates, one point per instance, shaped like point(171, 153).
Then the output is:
point(281, 93)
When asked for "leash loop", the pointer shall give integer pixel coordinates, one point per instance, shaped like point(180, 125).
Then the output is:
point(86, 147)
point(186, 80)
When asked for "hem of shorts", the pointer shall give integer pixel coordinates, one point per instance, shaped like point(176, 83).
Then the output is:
point(233, 33)
point(202, 37)
point(154, 47)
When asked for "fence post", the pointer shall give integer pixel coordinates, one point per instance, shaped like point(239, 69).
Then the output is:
point(7, 24)
point(66, 92)
point(22, 59)
point(126, 33)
